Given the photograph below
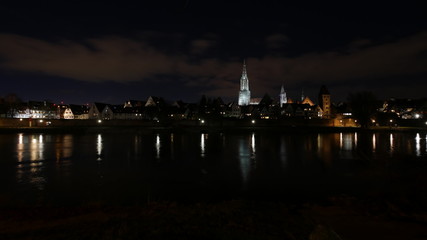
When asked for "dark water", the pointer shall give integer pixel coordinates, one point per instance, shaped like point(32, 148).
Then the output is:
point(137, 168)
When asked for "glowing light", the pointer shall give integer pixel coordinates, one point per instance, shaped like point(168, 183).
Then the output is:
point(391, 142)
point(20, 119)
point(253, 121)
point(202, 121)
point(41, 121)
point(391, 120)
point(99, 121)
point(341, 141)
point(417, 115)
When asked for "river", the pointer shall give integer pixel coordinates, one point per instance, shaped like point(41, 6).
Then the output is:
point(127, 168)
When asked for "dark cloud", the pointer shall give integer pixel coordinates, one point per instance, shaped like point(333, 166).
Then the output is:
point(200, 46)
point(125, 60)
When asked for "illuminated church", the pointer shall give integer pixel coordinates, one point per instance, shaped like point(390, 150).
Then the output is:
point(244, 93)
point(302, 107)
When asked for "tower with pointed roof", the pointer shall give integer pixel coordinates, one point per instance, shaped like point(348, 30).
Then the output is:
point(283, 99)
point(244, 93)
point(325, 101)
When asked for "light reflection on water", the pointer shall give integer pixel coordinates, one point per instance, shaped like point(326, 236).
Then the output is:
point(99, 147)
point(30, 156)
point(418, 144)
point(283, 152)
point(248, 157)
point(374, 142)
point(203, 137)
point(355, 139)
point(64, 147)
point(253, 148)
point(158, 146)
point(349, 141)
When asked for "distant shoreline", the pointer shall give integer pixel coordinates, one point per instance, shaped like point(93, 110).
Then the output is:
point(202, 129)
point(297, 125)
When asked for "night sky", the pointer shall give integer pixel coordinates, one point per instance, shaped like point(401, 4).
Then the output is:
point(113, 51)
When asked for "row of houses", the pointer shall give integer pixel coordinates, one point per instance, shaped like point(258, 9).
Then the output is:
point(405, 108)
point(156, 108)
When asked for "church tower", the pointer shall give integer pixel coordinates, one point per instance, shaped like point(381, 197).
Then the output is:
point(244, 93)
point(325, 102)
point(283, 98)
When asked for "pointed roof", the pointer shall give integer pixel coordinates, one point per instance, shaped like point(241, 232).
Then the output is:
point(244, 81)
point(308, 101)
point(99, 106)
point(79, 109)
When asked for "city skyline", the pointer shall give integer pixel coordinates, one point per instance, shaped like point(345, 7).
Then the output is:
point(111, 52)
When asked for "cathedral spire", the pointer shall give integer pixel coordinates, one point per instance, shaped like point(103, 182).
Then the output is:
point(244, 81)
point(283, 99)
point(244, 94)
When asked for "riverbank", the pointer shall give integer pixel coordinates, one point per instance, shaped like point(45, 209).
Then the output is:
point(203, 129)
point(220, 125)
point(340, 218)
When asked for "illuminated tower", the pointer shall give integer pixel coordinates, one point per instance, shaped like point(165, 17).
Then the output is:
point(325, 102)
point(283, 98)
point(244, 93)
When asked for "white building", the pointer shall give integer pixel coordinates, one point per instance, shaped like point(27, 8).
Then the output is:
point(283, 99)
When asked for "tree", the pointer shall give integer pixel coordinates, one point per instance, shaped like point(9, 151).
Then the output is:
point(11, 105)
point(363, 106)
